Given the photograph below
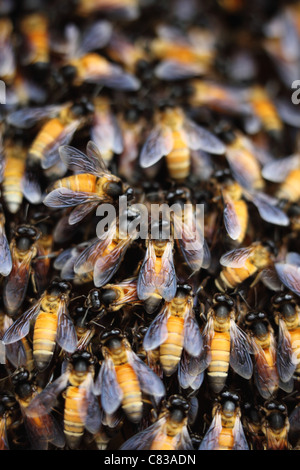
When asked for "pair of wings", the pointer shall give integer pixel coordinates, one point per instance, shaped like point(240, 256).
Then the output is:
point(157, 332)
point(5, 255)
point(88, 408)
point(240, 350)
point(144, 439)
point(106, 132)
point(289, 272)
point(160, 142)
point(163, 282)
point(66, 335)
point(211, 439)
point(106, 384)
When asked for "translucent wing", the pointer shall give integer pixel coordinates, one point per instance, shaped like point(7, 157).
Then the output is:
point(266, 377)
point(107, 265)
point(66, 335)
point(267, 208)
point(183, 440)
point(91, 413)
point(240, 359)
point(91, 162)
point(144, 439)
point(21, 326)
point(285, 364)
point(25, 118)
point(158, 144)
point(81, 211)
point(175, 70)
point(188, 375)
point(200, 138)
point(95, 37)
point(211, 439)
point(61, 198)
point(289, 275)
point(240, 442)
point(51, 153)
point(166, 282)
point(44, 402)
point(150, 383)
point(277, 170)
point(157, 332)
point(106, 385)
point(236, 258)
point(5, 255)
point(193, 343)
point(230, 216)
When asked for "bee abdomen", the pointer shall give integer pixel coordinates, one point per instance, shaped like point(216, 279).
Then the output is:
point(171, 349)
point(219, 365)
point(290, 189)
point(73, 418)
point(51, 130)
point(229, 278)
point(226, 439)
point(178, 162)
point(44, 337)
point(132, 397)
point(163, 442)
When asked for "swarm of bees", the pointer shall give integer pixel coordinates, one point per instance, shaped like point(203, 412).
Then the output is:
point(187, 338)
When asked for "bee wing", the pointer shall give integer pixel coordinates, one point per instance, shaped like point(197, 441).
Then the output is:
point(95, 37)
point(200, 363)
point(158, 144)
point(64, 197)
point(293, 258)
point(91, 162)
point(277, 170)
point(289, 275)
point(166, 281)
point(267, 208)
point(115, 77)
point(41, 430)
point(193, 342)
point(66, 335)
point(27, 117)
point(157, 332)
point(188, 376)
point(31, 186)
point(43, 403)
point(51, 153)
point(106, 385)
point(230, 217)
point(266, 378)
point(106, 266)
point(240, 359)
point(20, 327)
point(285, 364)
point(175, 70)
point(81, 211)
point(91, 413)
point(243, 164)
point(183, 440)
point(149, 382)
point(240, 442)
point(106, 133)
point(16, 354)
point(5, 255)
point(289, 113)
point(236, 258)
point(200, 138)
point(211, 439)
point(143, 440)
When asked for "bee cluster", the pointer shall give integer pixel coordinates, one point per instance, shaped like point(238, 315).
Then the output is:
point(188, 339)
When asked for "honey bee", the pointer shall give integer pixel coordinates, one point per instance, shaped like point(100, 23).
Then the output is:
point(65, 263)
point(116, 296)
point(173, 330)
point(24, 250)
point(275, 426)
point(6, 257)
point(226, 431)
point(61, 123)
point(81, 409)
point(7, 55)
point(35, 30)
point(181, 56)
point(105, 132)
point(262, 338)
point(285, 171)
point(52, 325)
point(132, 55)
point(81, 65)
point(93, 185)
point(169, 432)
point(41, 429)
point(224, 344)
point(242, 263)
point(175, 137)
point(123, 377)
point(252, 421)
point(286, 315)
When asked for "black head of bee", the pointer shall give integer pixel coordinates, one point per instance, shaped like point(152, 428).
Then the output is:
point(111, 337)
point(81, 361)
point(178, 407)
point(108, 296)
point(26, 235)
point(68, 72)
point(58, 287)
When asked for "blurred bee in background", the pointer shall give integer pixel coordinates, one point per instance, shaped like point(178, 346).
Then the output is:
point(52, 324)
point(123, 377)
point(169, 432)
point(34, 28)
point(133, 55)
point(175, 136)
point(226, 430)
point(264, 348)
point(105, 131)
point(8, 67)
point(252, 423)
point(124, 9)
point(285, 171)
point(275, 426)
point(65, 263)
point(81, 409)
point(41, 429)
point(173, 330)
point(92, 185)
point(241, 264)
point(224, 344)
point(5, 250)
point(182, 56)
point(80, 65)
point(24, 250)
point(286, 315)
point(288, 272)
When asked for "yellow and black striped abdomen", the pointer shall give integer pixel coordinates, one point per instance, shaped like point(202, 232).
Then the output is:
point(178, 160)
point(290, 189)
point(74, 419)
point(44, 337)
point(47, 135)
point(241, 210)
point(230, 278)
point(171, 349)
point(82, 182)
point(132, 397)
point(295, 342)
point(220, 357)
point(226, 439)
point(12, 181)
